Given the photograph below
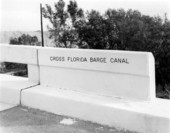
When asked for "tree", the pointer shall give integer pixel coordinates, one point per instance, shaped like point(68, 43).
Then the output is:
point(162, 56)
point(25, 40)
point(75, 13)
point(63, 31)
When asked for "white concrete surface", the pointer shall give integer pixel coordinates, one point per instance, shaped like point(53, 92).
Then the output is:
point(95, 82)
point(121, 74)
point(137, 62)
point(10, 87)
point(131, 80)
point(34, 73)
point(24, 55)
point(5, 106)
point(144, 117)
point(18, 54)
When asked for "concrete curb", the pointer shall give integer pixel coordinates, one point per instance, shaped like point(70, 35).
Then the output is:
point(145, 117)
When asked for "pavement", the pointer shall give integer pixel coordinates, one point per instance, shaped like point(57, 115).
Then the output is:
point(5, 106)
point(21, 119)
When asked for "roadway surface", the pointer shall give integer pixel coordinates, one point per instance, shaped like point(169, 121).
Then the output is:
point(27, 120)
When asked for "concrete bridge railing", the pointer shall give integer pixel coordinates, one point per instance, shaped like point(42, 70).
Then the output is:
point(122, 74)
point(24, 55)
point(114, 88)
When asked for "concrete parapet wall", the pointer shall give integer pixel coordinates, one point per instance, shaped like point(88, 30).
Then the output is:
point(123, 62)
point(114, 88)
point(119, 74)
point(11, 87)
point(24, 55)
point(18, 54)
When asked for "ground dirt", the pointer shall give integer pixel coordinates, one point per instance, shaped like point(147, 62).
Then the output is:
point(26, 120)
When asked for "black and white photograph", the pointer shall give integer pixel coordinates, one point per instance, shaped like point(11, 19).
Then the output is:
point(84, 66)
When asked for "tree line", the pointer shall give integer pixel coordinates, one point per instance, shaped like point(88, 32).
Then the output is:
point(25, 39)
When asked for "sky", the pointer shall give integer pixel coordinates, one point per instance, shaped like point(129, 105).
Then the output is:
point(24, 15)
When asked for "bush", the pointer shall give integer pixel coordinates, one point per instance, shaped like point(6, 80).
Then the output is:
point(25, 40)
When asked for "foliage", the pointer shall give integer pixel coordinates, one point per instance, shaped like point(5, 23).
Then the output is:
point(25, 40)
point(63, 23)
point(115, 29)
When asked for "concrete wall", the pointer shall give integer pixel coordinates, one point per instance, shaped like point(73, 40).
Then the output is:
point(121, 74)
point(18, 54)
point(117, 89)
point(115, 74)
point(24, 55)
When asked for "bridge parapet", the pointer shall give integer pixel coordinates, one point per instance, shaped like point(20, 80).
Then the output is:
point(24, 55)
point(114, 88)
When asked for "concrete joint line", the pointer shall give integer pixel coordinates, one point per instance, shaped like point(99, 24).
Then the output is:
point(25, 89)
point(38, 64)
